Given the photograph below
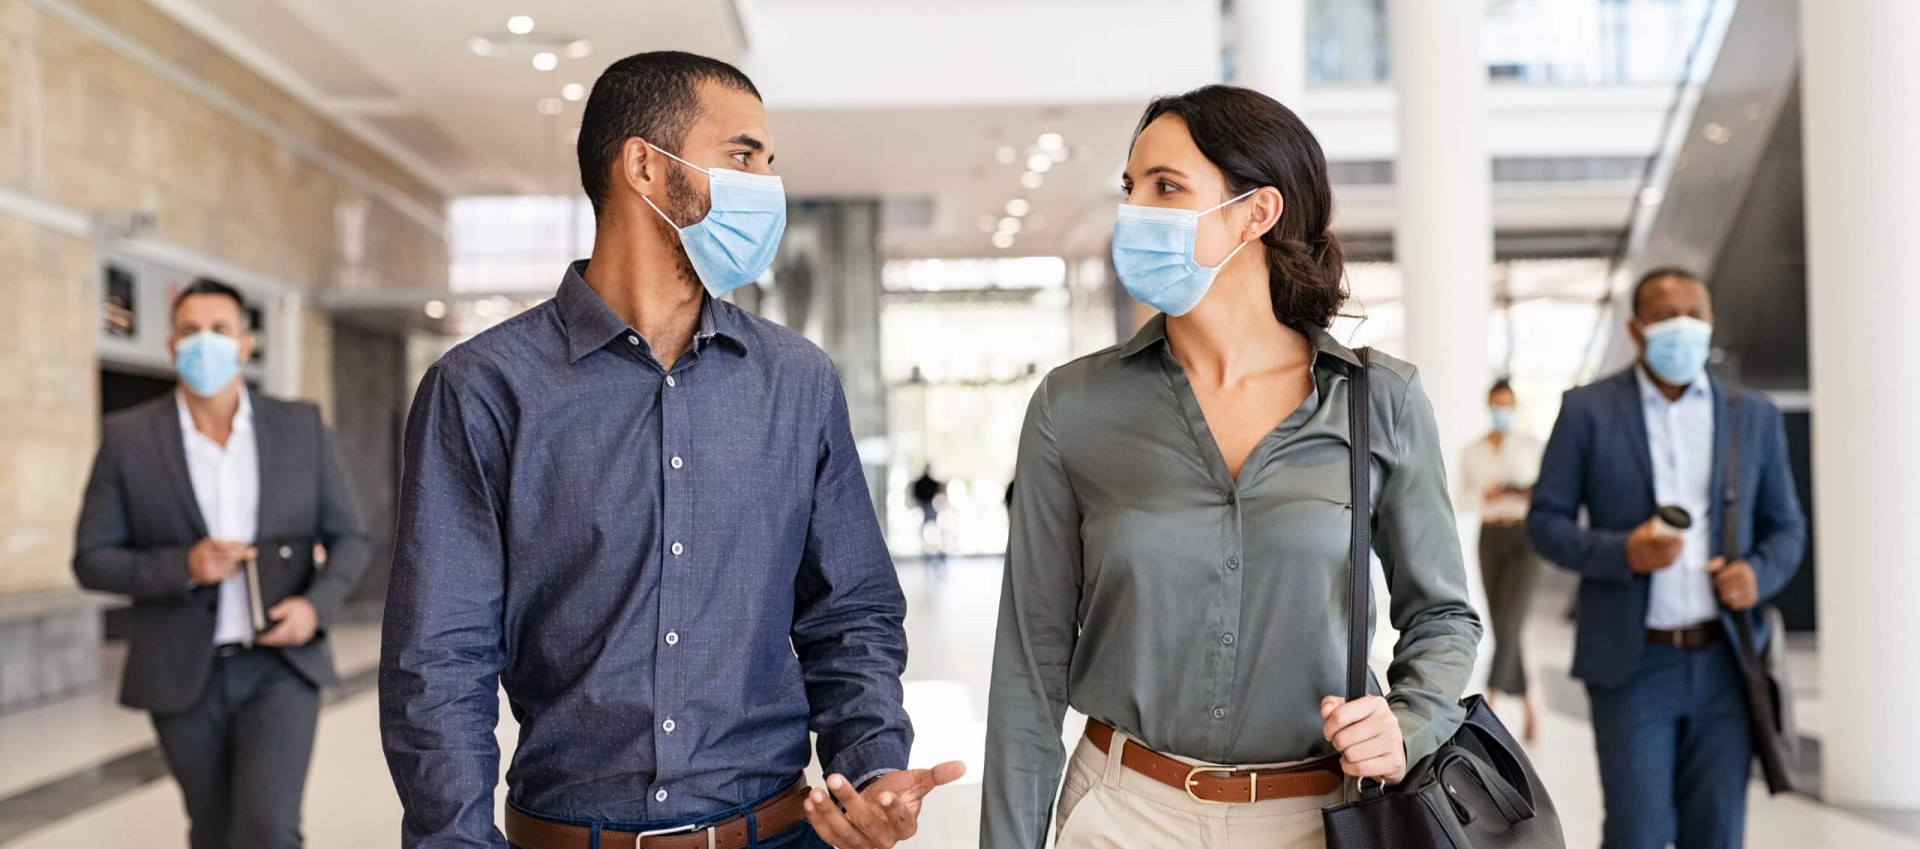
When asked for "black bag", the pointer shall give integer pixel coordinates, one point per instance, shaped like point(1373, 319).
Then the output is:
point(1478, 790)
point(1775, 741)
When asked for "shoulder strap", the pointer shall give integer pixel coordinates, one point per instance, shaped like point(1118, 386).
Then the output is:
point(1359, 403)
point(1730, 530)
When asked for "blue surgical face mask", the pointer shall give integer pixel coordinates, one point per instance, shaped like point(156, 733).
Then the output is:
point(1153, 255)
point(207, 361)
point(1677, 348)
point(735, 243)
point(1502, 419)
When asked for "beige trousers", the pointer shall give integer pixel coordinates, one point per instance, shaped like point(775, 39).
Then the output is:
point(1104, 805)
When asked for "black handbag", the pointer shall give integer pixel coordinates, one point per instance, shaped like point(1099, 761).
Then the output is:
point(1776, 742)
point(1478, 791)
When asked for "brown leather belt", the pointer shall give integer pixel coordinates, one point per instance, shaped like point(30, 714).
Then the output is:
point(1223, 786)
point(775, 815)
point(1689, 639)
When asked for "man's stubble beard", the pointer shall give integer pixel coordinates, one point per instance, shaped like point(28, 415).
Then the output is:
point(683, 205)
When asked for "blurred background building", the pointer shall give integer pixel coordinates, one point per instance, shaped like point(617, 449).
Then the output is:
point(385, 178)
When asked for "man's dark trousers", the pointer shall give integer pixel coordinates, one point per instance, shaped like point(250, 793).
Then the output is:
point(240, 753)
point(1674, 747)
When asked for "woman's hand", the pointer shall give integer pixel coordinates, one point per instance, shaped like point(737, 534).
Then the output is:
point(1367, 735)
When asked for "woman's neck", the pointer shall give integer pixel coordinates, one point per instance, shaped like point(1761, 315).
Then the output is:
point(1234, 333)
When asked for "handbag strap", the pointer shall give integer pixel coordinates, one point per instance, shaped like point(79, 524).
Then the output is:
point(1359, 403)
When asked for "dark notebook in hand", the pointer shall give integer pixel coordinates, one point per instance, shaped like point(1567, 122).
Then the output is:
point(281, 569)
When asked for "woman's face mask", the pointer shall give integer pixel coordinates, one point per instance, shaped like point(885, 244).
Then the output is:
point(1153, 255)
point(735, 243)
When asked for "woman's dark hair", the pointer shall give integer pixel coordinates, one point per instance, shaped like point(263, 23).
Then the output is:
point(1257, 142)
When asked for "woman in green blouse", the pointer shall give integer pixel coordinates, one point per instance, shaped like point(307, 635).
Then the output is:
point(1180, 533)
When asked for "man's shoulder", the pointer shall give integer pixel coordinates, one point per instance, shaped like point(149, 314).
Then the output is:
point(121, 424)
point(526, 337)
point(1599, 392)
point(762, 336)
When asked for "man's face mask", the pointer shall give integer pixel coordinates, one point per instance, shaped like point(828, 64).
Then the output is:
point(735, 243)
point(1677, 348)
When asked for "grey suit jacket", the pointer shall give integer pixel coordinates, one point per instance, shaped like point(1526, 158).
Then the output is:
point(140, 518)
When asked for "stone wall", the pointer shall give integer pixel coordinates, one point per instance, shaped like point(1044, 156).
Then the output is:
point(109, 107)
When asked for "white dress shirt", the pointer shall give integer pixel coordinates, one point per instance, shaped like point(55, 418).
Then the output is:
point(1515, 462)
point(226, 484)
point(1680, 444)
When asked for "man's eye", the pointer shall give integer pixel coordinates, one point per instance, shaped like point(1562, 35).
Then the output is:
point(741, 157)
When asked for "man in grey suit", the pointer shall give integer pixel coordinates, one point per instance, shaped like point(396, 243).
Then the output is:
point(185, 491)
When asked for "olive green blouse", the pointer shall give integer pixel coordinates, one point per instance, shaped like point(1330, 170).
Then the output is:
point(1205, 616)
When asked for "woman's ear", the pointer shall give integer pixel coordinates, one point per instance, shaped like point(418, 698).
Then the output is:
point(1265, 207)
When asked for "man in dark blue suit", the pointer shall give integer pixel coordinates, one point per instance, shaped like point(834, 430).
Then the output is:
point(1655, 644)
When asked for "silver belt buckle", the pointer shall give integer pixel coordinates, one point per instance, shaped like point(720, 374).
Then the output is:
point(712, 835)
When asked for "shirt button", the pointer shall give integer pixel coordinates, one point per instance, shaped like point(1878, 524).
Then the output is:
point(676, 462)
point(678, 549)
point(673, 638)
point(1232, 499)
point(1233, 563)
point(667, 726)
point(286, 551)
point(670, 383)
point(1226, 639)
point(1218, 713)
point(660, 795)
point(632, 339)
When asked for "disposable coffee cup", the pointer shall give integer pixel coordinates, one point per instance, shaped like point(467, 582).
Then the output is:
point(1671, 521)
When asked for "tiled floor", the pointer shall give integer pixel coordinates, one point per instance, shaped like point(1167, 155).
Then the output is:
point(351, 804)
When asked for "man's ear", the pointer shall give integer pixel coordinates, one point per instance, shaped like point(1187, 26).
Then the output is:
point(639, 166)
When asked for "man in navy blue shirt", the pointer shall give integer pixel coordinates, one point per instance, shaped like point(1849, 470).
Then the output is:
point(639, 509)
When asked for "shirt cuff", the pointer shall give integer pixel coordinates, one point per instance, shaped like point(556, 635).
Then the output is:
point(870, 760)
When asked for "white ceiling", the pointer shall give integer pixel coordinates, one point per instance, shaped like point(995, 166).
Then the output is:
point(873, 98)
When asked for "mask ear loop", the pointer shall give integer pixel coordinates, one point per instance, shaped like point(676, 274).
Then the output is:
point(1247, 194)
point(663, 216)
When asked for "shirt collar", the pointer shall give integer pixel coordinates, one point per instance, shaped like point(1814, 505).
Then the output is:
point(1155, 331)
point(589, 324)
point(1650, 391)
point(242, 415)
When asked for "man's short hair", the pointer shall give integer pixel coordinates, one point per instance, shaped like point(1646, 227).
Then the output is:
point(654, 96)
point(210, 286)
point(1660, 273)
point(1501, 385)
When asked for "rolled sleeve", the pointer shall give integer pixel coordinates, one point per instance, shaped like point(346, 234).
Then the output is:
point(1419, 546)
point(441, 651)
point(849, 627)
point(1033, 649)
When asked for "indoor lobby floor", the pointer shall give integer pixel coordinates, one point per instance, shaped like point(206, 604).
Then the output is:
point(83, 772)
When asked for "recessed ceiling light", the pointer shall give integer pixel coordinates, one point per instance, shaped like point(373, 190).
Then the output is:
point(1006, 154)
point(1040, 162)
point(1018, 207)
point(579, 48)
point(1003, 240)
point(1032, 179)
point(1009, 225)
point(1652, 196)
point(435, 309)
point(545, 61)
point(480, 46)
point(1051, 142)
point(988, 222)
point(573, 91)
point(550, 106)
point(519, 25)
point(1716, 132)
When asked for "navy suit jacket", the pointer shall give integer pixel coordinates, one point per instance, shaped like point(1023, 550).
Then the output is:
point(1597, 458)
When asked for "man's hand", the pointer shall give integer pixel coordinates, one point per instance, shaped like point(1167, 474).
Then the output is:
point(210, 560)
point(885, 813)
point(1649, 551)
point(1368, 737)
point(1735, 583)
point(297, 623)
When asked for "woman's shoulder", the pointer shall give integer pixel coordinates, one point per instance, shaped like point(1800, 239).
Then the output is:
point(1096, 380)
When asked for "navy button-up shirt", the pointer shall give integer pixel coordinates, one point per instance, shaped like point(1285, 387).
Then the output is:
point(675, 574)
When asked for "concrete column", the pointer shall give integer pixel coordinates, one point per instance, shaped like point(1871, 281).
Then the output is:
point(1443, 181)
point(1270, 48)
point(1863, 311)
